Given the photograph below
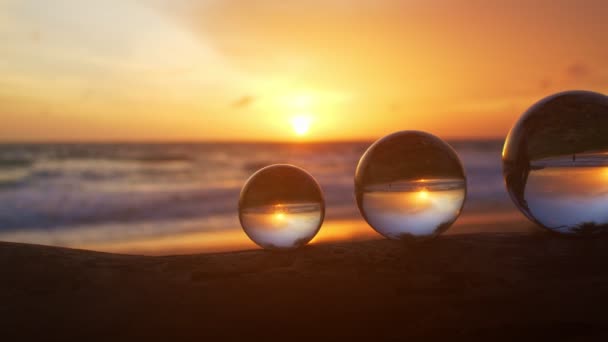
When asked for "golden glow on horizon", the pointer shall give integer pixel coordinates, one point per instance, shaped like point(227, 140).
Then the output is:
point(239, 70)
point(604, 173)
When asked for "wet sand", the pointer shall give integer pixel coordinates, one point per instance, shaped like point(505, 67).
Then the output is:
point(508, 282)
point(478, 218)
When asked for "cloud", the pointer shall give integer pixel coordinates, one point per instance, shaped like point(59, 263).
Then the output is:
point(545, 83)
point(243, 101)
point(578, 70)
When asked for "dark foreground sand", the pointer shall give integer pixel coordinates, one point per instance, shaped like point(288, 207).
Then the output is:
point(481, 286)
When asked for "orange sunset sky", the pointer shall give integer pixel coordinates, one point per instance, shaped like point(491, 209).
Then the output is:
point(74, 70)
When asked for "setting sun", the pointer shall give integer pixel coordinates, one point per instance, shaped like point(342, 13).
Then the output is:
point(301, 124)
point(279, 216)
point(423, 194)
point(279, 212)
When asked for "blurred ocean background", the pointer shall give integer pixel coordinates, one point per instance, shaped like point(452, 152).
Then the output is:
point(129, 197)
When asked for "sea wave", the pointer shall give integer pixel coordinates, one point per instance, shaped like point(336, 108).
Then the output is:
point(58, 186)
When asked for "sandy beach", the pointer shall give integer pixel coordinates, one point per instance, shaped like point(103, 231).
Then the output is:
point(509, 282)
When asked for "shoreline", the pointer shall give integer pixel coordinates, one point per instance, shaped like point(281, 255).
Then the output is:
point(194, 241)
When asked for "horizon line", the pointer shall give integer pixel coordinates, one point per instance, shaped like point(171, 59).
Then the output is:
point(217, 141)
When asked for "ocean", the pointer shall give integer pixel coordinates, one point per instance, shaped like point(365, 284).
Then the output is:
point(179, 198)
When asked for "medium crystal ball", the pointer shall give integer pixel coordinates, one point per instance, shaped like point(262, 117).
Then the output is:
point(410, 185)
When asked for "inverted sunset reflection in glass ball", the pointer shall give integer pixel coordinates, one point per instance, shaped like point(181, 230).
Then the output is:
point(281, 207)
point(410, 185)
point(555, 163)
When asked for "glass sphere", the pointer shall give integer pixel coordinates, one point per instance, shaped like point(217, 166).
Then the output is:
point(281, 207)
point(555, 163)
point(410, 185)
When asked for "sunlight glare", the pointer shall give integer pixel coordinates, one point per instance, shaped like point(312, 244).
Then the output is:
point(423, 194)
point(301, 124)
point(279, 212)
point(301, 101)
point(279, 216)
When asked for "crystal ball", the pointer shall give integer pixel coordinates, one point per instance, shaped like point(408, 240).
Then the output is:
point(555, 163)
point(281, 207)
point(410, 185)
